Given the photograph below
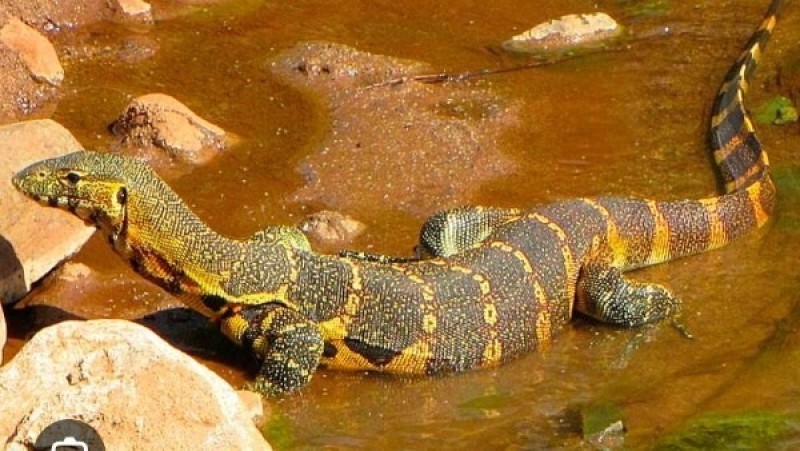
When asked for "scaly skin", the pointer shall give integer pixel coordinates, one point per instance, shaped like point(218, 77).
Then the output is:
point(498, 284)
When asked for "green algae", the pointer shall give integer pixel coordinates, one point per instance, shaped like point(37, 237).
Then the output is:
point(745, 430)
point(777, 111)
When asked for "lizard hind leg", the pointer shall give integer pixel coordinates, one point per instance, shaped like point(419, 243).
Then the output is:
point(286, 344)
point(604, 293)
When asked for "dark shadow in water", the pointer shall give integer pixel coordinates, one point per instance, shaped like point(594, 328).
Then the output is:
point(182, 328)
point(195, 335)
point(24, 322)
point(12, 279)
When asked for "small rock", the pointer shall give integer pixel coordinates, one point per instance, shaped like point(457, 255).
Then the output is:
point(332, 227)
point(33, 239)
point(565, 33)
point(612, 437)
point(162, 121)
point(603, 425)
point(134, 8)
point(253, 405)
point(127, 384)
point(38, 53)
point(73, 272)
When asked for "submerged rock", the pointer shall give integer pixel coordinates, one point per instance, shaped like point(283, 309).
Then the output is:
point(332, 227)
point(162, 121)
point(127, 384)
point(33, 239)
point(735, 430)
point(566, 32)
point(603, 425)
point(399, 143)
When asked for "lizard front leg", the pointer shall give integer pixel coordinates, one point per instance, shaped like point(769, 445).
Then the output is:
point(447, 233)
point(287, 345)
point(453, 231)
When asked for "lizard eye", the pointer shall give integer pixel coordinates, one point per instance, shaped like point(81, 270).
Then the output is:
point(73, 177)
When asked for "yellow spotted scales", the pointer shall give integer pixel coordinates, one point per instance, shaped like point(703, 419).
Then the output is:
point(491, 284)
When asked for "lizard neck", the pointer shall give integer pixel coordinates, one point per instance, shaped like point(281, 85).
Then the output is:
point(167, 243)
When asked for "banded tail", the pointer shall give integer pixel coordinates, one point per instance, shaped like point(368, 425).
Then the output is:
point(736, 149)
point(680, 228)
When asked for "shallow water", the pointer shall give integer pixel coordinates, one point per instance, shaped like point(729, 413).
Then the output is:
point(627, 122)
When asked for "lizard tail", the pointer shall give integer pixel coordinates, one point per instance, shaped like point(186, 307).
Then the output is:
point(736, 150)
point(686, 227)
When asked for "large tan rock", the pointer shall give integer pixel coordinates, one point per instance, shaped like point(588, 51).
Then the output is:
point(35, 50)
point(125, 382)
point(33, 239)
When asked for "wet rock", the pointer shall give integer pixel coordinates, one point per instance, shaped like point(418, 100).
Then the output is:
point(25, 55)
point(127, 384)
point(565, 33)
point(51, 15)
point(33, 239)
point(332, 227)
point(400, 144)
point(603, 425)
point(35, 50)
point(162, 121)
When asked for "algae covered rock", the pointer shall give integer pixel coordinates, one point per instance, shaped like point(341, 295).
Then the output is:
point(744, 430)
point(778, 111)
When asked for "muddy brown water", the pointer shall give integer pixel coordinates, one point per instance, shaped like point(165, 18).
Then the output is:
point(627, 122)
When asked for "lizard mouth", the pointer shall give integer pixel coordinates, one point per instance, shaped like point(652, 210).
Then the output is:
point(71, 203)
point(27, 181)
point(58, 201)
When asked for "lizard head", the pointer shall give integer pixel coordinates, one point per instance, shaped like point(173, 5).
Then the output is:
point(89, 184)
